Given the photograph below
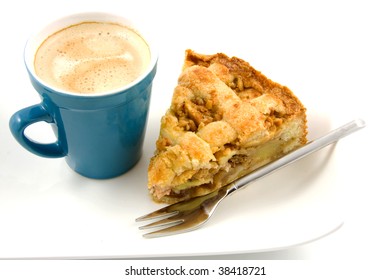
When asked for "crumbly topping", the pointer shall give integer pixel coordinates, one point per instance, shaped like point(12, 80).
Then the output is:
point(220, 107)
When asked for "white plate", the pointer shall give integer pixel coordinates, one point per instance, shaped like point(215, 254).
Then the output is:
point(48, 211)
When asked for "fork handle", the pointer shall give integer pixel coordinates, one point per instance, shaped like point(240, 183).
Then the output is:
point(297, 154)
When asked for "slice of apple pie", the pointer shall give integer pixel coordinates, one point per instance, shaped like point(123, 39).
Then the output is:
point(225, 120)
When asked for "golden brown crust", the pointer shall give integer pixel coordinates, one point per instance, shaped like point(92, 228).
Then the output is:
point(223, 115)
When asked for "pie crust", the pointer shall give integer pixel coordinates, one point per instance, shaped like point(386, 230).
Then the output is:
point(225, 120)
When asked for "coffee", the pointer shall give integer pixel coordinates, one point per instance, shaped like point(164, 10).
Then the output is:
point(92, 57)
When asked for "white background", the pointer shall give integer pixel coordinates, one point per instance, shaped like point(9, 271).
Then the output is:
point(334, 55)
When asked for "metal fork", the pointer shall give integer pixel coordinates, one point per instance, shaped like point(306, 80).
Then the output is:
point(191, 214)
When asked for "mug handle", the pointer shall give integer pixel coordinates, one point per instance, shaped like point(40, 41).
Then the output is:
point(27, 116)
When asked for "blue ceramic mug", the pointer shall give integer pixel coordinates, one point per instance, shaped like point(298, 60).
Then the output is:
point(100, 135)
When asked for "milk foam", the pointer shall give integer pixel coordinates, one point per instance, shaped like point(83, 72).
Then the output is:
point(92, 57)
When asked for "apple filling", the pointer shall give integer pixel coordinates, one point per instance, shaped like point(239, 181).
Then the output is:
point(225, 120)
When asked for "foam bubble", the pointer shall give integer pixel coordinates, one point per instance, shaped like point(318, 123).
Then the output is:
point(92, 58)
